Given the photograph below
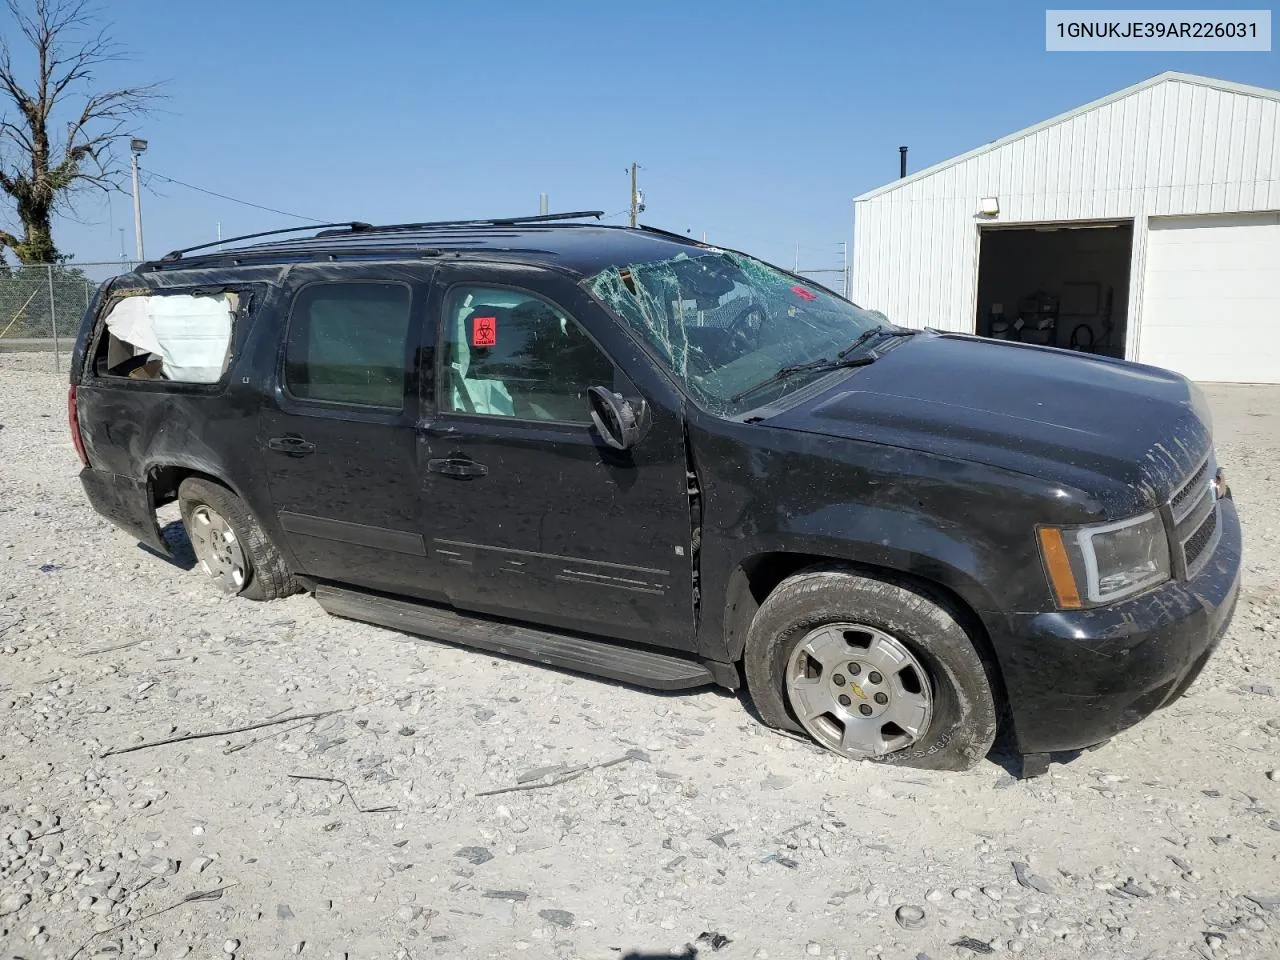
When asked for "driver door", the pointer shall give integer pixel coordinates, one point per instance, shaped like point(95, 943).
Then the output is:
point(531, 515)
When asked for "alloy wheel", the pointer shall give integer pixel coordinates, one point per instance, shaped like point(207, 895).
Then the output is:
point(218, 549)
point(858, 691)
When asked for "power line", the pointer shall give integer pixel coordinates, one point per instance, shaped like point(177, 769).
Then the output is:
point(223, 196)
point(670, 176)
point(821, 248)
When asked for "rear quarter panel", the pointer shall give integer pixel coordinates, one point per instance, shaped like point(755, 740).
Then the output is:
point(131, 427)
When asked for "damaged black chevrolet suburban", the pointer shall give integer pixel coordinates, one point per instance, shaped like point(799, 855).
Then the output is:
point(629, 454)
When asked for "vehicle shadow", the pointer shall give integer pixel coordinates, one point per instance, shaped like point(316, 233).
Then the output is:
point(1005, 754)
point(181, 553)
point(708, 688)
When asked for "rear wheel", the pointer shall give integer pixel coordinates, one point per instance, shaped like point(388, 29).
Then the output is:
point(229, 544)
point(871, 669)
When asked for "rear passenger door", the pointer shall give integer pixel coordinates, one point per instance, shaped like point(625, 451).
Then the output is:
point(338, 440)
point(529, 513)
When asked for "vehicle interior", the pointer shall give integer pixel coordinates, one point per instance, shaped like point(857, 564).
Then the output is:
point(512, 354)
point(168, 337)
point(724, 321)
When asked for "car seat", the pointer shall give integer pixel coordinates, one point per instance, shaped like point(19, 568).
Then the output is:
point(474, 387)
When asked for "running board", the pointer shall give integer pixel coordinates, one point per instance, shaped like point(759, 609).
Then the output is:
point(600, 658)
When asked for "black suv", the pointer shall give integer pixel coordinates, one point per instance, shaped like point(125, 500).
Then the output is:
point(637, 456)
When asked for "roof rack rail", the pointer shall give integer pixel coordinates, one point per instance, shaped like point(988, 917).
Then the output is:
point(552, 217)
point(351, 225)
point(357, 226)
point(672, 235)
point(491, 222)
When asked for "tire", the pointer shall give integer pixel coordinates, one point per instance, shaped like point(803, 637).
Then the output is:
point(830, 604)
point(264, 574)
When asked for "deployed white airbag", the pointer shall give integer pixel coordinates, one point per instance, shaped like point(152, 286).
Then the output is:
point(190, 334)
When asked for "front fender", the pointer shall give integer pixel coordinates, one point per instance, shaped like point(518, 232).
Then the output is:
point(919, 548)
point(772, 493)
point(913, 543)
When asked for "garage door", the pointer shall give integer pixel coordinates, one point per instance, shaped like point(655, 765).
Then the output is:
point(1211, 299)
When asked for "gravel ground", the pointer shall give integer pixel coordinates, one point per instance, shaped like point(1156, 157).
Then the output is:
point(709, 835)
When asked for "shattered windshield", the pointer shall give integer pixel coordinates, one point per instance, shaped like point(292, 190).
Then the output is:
point(726, 324)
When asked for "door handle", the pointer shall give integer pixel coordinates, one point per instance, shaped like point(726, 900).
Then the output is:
point(458, 467)
point(294, 446)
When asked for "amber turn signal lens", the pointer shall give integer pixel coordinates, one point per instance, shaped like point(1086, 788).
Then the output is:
point(1063, 581)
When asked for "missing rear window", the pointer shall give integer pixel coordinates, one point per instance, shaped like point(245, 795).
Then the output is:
point(179, 337)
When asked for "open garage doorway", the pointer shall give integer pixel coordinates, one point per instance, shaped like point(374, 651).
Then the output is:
point(1058, 284)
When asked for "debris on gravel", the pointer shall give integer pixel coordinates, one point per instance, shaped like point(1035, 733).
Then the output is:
point(1022, 873)
point(910, 917)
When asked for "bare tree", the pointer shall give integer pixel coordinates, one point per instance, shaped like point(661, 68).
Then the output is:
point(40, 172)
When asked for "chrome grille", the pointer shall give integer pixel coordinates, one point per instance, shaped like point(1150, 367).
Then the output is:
point(1194, 509)
point(1196, 543)
point(1183, 501)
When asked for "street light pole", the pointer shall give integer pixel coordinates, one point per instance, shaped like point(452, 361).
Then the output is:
point(137, 148)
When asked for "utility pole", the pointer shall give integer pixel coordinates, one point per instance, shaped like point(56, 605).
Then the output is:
point(137, 148)
point(635, 196)
point(845, 286)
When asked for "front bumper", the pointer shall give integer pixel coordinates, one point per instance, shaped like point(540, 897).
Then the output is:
point(1076, 678)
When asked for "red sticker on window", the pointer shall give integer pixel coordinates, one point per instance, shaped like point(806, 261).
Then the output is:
point(484, 331)
point(803, 294)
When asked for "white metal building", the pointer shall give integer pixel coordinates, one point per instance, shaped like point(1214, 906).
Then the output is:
point(1144, 225)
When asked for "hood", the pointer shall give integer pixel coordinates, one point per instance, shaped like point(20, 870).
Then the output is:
point(1128, 433)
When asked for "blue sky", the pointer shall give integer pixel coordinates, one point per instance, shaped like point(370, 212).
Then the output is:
point(755, 122)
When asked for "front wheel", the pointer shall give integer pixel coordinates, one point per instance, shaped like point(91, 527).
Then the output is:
point(229, 544)
point(871, 669)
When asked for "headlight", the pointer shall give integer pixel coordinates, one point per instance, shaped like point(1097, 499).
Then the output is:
point(1104, 562)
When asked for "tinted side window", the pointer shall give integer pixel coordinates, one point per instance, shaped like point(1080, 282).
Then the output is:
point(512, 354)
point(347, 344)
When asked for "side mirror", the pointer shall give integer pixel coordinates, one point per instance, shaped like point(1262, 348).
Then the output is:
point(618, 421)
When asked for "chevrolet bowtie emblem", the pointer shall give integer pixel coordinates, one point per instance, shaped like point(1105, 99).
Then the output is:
point(858, 690)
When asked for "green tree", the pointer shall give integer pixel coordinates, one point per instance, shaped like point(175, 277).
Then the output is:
point(41, 171)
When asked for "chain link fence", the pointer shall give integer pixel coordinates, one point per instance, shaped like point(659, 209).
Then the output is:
point(41, 306)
